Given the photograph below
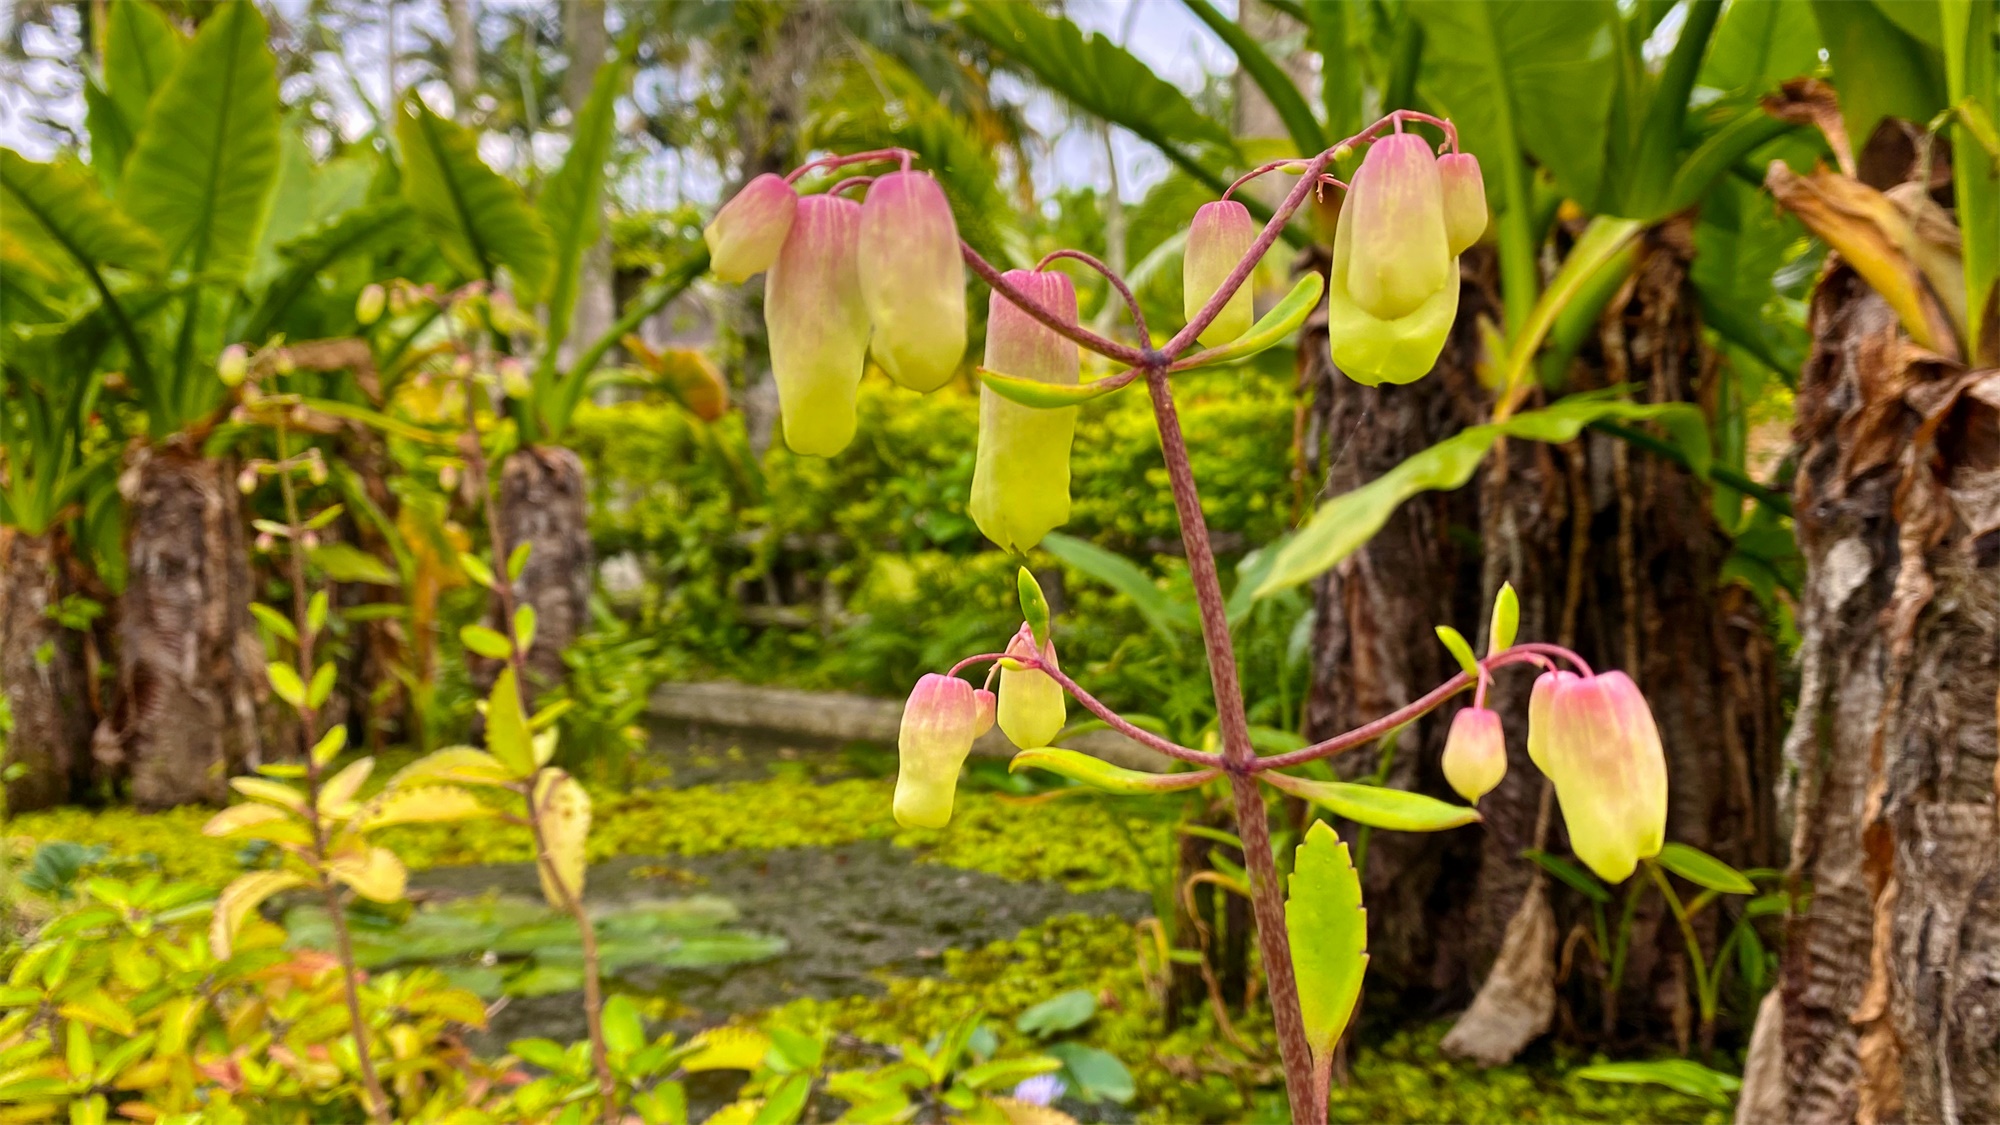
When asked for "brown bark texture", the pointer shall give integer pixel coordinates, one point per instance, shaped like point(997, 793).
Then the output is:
point(190, 668)
point(543, 502)
point(44, 674)
point(1891, 976)
point(1612, 551)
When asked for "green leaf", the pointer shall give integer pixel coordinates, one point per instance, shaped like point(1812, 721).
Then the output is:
point(1103, 79)
point(1522, 78)
point(1377, 806)
point(1757, 46)
point(1048, 396)
point(110, 135)
point(206, 161)
point(1583, 882)
point(367, 229)
point(141, 49)
point(1329, 932)
point(1461, 650)
point(1095, 1075)
point(321, 686)
point(1278, 87)
point(1882, 70)
point(1599, 249)
point(489, 643)
point(330, 745)
point(1034, 606)
point(285, 681)
point(524, 626)
point(1343, 524)
point(1704, 870)
point(784, 1104)
point(1506, 620)
point(1006, 1072)
point(66, 205)
point(316, 611)
point(571, 203)
point(1169, 617)
point(507, 727)
point(624, 1028)
point(476, 569)
point(1273, 328)
point(279, 625)
point(344, 562)
point(1685, 1075)
point(517, 560)
point(478, 217)
point(1065, 1011)
point(1103, 776)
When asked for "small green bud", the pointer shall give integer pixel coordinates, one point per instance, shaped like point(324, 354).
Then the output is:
point(233, 365)
point(368, 306)
point(1030, 708)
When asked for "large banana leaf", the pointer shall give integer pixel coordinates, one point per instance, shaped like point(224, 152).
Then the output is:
point(1103, 79)
point(205, 162)
point(141, 49)
point(478, 217)
point(1880, 66)
point(58, 206)
point(569, 203)
point(1348, 521)
point(1761, 44)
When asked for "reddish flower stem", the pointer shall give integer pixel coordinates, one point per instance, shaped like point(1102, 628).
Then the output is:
point(1125, 354)
point(831, 162)
point(851, 181)
point(1118, 723)
point(1118, 283)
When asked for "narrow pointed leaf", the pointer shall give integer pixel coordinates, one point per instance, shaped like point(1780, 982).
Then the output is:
point(1102, 775)
point(1273, 328)
point(1377, 806)
point(571, 203)
point(1049, 396)
point(1704, 870)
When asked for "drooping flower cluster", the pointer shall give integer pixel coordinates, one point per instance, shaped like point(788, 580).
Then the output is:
point(1595, 738)
point(942, 719)
point(847, 280)
point(1392, 291)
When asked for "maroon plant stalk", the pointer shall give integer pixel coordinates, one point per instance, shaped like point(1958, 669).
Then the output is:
point(371, 1084)
point(905, 156)
point(1110, 275)
point(1123, 353)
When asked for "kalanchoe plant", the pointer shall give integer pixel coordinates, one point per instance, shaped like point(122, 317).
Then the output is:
point(1392, 296)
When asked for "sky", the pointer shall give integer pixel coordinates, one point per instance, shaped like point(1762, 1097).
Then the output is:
point(1160, 33)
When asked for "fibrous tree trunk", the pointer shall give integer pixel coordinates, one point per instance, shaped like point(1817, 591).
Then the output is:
point(44, 675)
point(1891, 977)
point(542, 502)
point(1613, 552)
point(190, 669)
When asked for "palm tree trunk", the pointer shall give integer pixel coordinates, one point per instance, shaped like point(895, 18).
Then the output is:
point(542, 502)
point(1614, 553)
point(44, 675)
point(190, 669)
point(1891, 979)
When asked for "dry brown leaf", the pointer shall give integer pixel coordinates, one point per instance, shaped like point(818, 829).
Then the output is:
point(1518, 1000)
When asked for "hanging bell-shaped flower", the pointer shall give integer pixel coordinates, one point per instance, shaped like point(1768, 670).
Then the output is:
point(939, 724)
point(1464, 200)
point(1221, 234)
point(1020, 476)
point(1475, 753)
point(1541, 701)
point(818, 325)
point(1604, 755)
point(745, 236)
point(913, 280)
point(1031, 703)
point(1392, 292)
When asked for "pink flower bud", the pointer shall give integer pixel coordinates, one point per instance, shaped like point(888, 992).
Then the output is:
point(1020, 477)
point(913, 280)
point(939, 724)
point(1604, 755)
point(1464, 200)
point(1475, 753)
point(233, 365)
point(1217, 240)
point(1540, 702)
point(983, 711)
point(1031, 709)
point(1396, 207)
point(745, 236)
point(1369, 349)
point(818, 325)
point(246, 481)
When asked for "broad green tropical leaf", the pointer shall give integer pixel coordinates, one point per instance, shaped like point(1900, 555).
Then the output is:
point(57, 202)
point(141, 50)
point(206, 159)
point(1882, 70)
point(1377, 806)
point(478, 217)
point(1346, 522)
point(1168, 617)
point(1103, 776)
point(1329, 932)
point(1704, 870)
point(1517, 76)
point(570, 203)
point(110, 135)
point(1761, 44)
point(1104, 79)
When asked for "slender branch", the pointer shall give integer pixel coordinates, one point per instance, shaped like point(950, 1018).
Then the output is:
point(905, 156)
point(1110, 275)
point(378, 1101)
point(1125, 354)
point(1526, 653)
point(1199, 323)
point(1124, 726)
point(851, 181)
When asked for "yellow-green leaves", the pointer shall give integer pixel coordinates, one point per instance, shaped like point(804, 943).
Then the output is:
point(239, 899)
point(1103, 776)
point(564, 810)
point(1377, 806)
point(1273, 328)
point(374, 873)
point(489, 643)
point(1034, 605)
point(1329, 936)
point(507, 734)
point(1506, 620)
point(1461, 650)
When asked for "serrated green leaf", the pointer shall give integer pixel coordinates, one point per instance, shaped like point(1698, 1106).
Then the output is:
point(1506, 620)
point(1704, 870)
point(1377, 806)
point(1329, 937)
point(1461, 650)
point(1102, 775)
point(1273, 328)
